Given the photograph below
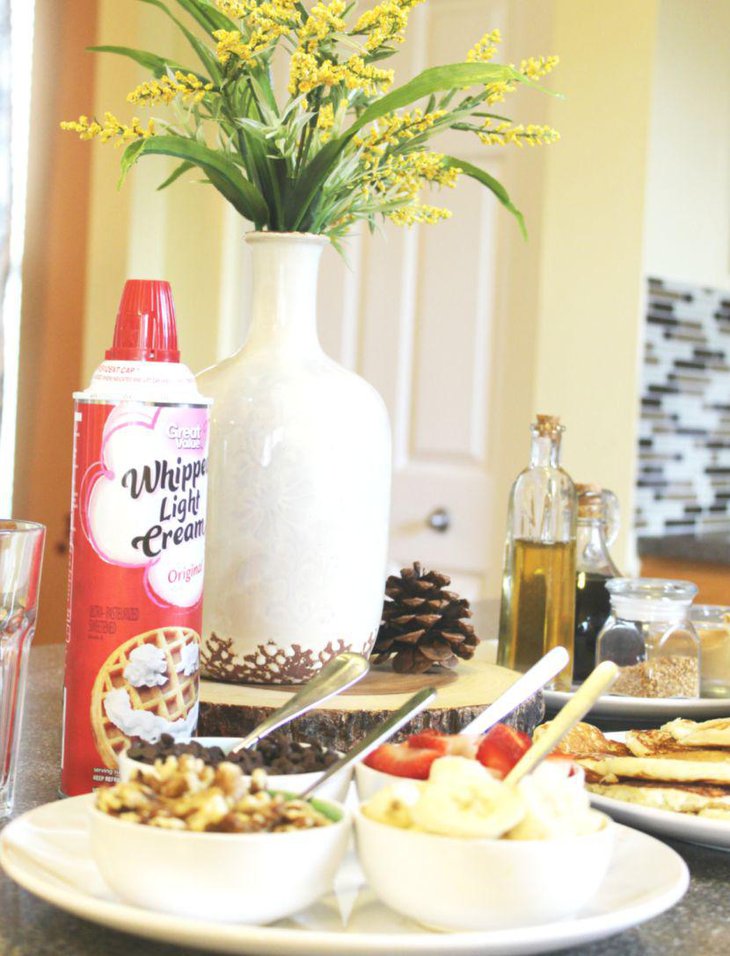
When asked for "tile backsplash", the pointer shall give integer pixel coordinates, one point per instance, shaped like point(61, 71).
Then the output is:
point(684, 435)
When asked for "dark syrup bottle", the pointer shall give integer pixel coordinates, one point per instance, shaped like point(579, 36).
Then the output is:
point(594, 567)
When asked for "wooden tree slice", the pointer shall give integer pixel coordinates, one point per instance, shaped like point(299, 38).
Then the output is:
point(232, 710)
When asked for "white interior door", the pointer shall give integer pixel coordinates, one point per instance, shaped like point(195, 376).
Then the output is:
point(414, 313)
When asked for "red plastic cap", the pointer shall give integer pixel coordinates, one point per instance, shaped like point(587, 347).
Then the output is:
point(145, 329)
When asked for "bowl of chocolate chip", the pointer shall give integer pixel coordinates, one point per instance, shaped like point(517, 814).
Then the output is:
point(213, 843)
point(291, 765)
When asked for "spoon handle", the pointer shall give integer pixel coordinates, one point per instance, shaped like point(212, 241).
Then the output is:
point(577, 707)
point(527, 685)
point(377, 735)
point(339, 674)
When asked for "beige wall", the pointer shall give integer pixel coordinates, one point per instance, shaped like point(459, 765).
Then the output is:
point(589, 313)
point(137, 232)
point(688, 196)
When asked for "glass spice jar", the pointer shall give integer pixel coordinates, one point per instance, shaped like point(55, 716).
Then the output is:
point(650, 637)
point(712, 623)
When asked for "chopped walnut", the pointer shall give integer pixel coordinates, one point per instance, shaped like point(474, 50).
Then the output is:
point(187, 794)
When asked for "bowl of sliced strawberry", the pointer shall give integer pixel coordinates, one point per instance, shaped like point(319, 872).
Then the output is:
point(498, 750)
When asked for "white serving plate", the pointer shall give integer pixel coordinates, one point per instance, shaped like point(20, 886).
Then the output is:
point(665, 823)
point(47, 852)
point(646, 708)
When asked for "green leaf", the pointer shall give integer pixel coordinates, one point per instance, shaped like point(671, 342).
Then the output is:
point(262, 167)
point(129, 158)
point(221, 172)
point(206, 56)
point(178, 172)
point(436, 79)
point(158, 65)
point(483, 177)
point(207, 15)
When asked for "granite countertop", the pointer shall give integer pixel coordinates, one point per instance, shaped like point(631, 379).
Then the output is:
point(698, 925)
point(688, 548)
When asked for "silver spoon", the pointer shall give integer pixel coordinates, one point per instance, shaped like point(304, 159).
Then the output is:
point(377, 735)
point(527, 685)
point(577, 707)
point(340, 673)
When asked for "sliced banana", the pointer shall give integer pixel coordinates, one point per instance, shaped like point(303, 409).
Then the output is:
point(457, 771)
point(554, 807)
point(393, 805)
point(481, 808)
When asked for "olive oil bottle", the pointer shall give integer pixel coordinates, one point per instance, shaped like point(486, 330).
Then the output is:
point(538, 583)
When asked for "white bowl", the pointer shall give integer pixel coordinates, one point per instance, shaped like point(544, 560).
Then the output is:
point(228, 877)
point(334, 789)
point(369, 781)
point(451, 883)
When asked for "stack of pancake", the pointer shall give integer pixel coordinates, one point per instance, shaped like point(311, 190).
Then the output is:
point(683, 766)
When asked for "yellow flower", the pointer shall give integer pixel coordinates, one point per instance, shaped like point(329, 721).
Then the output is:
point(111, 128)
point(429, 166)
point(326, 117)
point(232, 43)
point(537, 66)
point(385, 23)
point(324, 21)
point(307, 73)
point(237, 9)
point(505, 134)
point(393, 130)
point(265, 23)
point(409, 215)
point(484, 50)
point(165, 89)
point(399, 178)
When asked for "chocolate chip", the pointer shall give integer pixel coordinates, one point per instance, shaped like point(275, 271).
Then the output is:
point(277, 754)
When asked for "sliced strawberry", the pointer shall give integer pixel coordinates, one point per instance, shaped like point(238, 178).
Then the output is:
point(502, 747)
point(455, 745)
point(429, 739)
point(402, 760)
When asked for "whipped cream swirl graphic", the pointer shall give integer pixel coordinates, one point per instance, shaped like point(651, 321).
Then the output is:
point(190, 659)
point(143, 723)
point(147, 667)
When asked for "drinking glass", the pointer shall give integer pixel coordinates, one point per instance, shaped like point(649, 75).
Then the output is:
point(21, 555)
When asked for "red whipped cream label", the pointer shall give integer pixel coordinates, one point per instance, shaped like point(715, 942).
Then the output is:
point(135, 582)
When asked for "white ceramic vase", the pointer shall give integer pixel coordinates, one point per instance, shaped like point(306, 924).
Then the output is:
point(299, 487)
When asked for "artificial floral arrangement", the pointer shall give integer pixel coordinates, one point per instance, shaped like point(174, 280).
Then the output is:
point(339, 146)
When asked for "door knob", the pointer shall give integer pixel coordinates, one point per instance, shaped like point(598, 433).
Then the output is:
point(439, 520)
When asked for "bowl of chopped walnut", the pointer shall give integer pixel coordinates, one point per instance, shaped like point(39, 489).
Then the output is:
point(210, 843)
point(290, 765)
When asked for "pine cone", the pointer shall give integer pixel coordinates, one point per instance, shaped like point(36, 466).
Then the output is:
point(423, 624)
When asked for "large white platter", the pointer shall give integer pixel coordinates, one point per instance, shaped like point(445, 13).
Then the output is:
point(47, 852)
point(665, 823)
point(646, 708)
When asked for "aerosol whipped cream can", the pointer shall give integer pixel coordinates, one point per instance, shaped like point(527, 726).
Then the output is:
point(138, 505)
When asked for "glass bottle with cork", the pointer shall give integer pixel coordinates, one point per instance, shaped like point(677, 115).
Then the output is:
point(597, 525)
point(538, 582)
